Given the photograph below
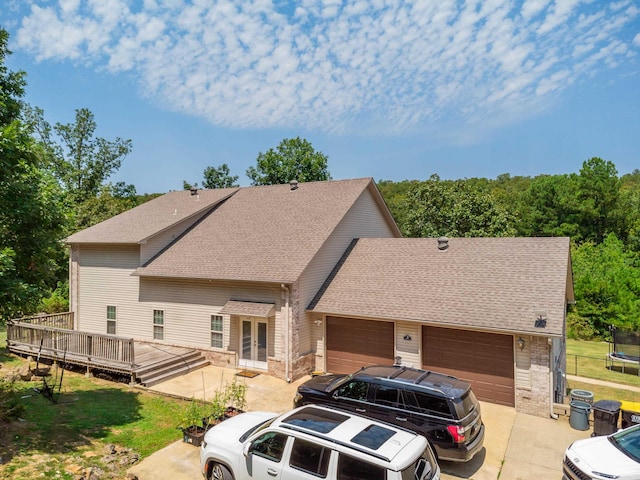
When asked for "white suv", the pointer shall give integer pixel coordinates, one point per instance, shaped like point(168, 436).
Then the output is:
point(314, 442)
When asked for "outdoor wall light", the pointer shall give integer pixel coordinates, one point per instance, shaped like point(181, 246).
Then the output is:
point(520, 343)
point(407, 337)
point(317, 322)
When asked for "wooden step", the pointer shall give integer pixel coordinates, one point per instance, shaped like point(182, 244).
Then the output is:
point(173, 367)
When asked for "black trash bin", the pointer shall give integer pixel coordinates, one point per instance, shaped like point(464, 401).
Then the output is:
point(579, 416)
point(605, 417)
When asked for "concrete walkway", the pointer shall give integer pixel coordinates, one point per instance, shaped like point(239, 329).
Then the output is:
point(517, 446)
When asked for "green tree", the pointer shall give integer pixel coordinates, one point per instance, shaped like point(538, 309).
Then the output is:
point(81, 162)
point(293, 159)
point(549, 207)
point(31, 218)
point(219, 177)
point(435, 208)
point(598, 191)
point(607, 288)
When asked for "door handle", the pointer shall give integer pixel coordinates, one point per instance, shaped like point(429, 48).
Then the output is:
point(401, 419)
point(361, 410)
point(272, 472)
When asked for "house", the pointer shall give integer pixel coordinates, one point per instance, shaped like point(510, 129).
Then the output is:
point(290, 279)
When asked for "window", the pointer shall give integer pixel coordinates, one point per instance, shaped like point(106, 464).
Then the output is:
point(270, 446)
point(427, 404)
point(386, 396)
point(350, 468)
point(310, 457)
point(217, 326)
point(355, 390)
point(111, 319)
point(158, 324)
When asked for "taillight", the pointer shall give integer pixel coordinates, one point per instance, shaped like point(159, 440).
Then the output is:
point(456, 432)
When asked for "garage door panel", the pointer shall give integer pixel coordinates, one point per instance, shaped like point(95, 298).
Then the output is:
point(483, 359)
point(353, 343)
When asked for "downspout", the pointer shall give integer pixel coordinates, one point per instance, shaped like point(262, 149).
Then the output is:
point(287, 347)
point(552, 369)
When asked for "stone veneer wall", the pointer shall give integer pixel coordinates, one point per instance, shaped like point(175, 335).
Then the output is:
point(536, 400)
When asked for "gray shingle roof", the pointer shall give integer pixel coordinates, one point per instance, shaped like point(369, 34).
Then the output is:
point(262, 234)
point(151, 218)
point(485, 283)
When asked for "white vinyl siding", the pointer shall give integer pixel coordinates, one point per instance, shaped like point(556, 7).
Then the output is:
point(104, 278)
point(408, 339)
point(523, 363)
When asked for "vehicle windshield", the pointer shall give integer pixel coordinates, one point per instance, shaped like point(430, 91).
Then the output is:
point(256, 428)
point(423, 469)
point(338, 382)
point(628, 442)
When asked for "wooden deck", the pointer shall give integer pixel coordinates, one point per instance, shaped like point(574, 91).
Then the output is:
point(145, 363)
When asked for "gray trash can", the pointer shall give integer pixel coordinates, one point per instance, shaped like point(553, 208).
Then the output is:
point(579, 416)
point(582, 395)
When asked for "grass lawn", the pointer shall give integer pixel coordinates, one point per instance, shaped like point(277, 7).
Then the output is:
point(52, 440)
point(588, 359)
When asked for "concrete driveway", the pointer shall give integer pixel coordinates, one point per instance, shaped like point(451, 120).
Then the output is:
point(516, 446)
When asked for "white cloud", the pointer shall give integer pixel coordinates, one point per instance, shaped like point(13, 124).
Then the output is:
point(328, 65)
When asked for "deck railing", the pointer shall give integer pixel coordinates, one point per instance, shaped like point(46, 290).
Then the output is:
point(94, 348)
point(56, 320)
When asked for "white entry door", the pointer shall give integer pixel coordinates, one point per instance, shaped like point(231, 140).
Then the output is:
point(253, 343)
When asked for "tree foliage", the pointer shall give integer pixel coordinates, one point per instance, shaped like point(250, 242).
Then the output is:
point(292, 159)
point(31, 217)
point(219, 177)
point(607, 285)
point(435, 208)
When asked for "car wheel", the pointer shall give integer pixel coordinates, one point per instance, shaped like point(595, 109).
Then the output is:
point(220, 472)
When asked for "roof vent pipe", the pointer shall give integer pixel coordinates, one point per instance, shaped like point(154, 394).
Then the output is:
point(443, 243)
point(293, 184)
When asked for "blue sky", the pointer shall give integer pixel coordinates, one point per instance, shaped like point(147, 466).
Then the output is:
point(387, 89)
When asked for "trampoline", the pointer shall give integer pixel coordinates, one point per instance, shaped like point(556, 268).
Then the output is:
point(624, 348)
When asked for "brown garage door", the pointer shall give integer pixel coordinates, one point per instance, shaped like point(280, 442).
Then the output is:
point(483, 359)
point(354, 343)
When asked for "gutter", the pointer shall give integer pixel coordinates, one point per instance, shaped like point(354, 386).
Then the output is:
point(287, 346)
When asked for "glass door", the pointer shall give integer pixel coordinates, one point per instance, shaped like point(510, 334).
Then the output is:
point(253, 348)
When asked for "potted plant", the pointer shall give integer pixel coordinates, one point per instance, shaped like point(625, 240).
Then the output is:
point(237, 396)
point(215, 413)
point(191, 422)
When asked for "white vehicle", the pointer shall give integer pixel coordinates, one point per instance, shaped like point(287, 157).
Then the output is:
point(314, 442)
point(615, 456)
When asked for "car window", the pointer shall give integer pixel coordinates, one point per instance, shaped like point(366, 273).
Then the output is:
point(310, 457)
point(428, 404)
point(423, 468)
point(270, 445)
point(466, 404)
point(386, 396)
point(350, 468)
point(355, 390)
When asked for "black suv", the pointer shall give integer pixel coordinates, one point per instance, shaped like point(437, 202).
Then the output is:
point(440, 407)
